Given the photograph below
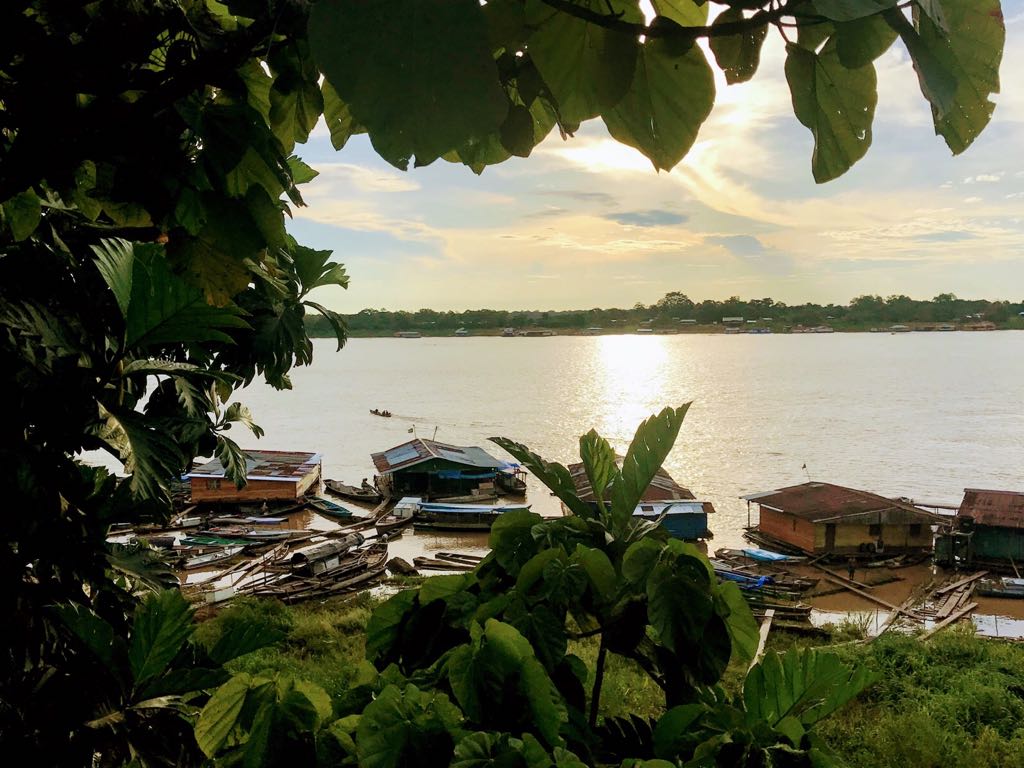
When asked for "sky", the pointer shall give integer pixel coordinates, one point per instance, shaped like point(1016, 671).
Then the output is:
point(587, 222)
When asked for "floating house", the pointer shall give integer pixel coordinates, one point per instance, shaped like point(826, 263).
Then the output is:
point(436, 470)
point(822, 518)
point(678, 509)
point(270, 476)
point(987, 530)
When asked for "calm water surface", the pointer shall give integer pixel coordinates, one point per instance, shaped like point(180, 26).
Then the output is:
point(922, 415)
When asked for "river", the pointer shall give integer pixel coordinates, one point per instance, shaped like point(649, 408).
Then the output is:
point(921, 415)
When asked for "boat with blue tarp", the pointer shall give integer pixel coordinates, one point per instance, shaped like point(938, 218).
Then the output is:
point(452, 517)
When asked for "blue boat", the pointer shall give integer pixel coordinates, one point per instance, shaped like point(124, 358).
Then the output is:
point(683, 519)
point(453, 517)
point(329, 508)
point(767, 556)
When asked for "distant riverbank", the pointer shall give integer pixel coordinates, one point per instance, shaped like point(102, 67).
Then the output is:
point(317, 332)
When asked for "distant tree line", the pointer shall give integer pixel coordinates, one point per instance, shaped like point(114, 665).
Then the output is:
point(862, 312)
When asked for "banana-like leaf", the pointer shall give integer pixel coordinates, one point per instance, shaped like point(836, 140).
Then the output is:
point(219, 717)
point(555, 476)
point(806, 684)
point(599, 463)
point(650, 447)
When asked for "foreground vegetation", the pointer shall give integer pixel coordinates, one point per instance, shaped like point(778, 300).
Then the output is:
point(861, 314)
point(955, 700)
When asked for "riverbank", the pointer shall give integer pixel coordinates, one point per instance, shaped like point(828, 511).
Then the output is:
point(708, 329)
point(953, 700)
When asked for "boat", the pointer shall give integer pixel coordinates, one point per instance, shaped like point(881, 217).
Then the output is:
point(248, 535)
point(378, 412)
point(760, 555)
point(1006, 586)
point(470, 498)
point(391, 524)
point(462, 332)
point(511, 480)
point(407, 335)
point(366, 494)
point(684, 519)
point(211, 558)
point(452, 517)
point(329, 508)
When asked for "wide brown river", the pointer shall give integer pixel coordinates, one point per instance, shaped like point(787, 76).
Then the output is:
point(921, 415)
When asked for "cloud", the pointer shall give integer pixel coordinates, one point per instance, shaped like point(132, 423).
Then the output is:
point(651, 218)
point(738, 245)
point(951, 236)
point(578, 194)
point(984, 178)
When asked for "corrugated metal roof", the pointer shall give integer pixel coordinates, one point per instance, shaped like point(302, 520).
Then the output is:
point(419, 450)
point(1001, 509)
point(662, 487)
point(820, 502)
point(283, 466)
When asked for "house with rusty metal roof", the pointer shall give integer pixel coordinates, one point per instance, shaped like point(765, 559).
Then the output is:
point(823, 518)
point(664, 499)
point(437, 470)
point(270, 476)
point(987, 530)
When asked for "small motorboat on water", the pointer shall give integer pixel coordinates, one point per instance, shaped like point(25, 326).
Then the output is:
point(378, 412)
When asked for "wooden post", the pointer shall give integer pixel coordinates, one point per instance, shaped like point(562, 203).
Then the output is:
point(947, 621)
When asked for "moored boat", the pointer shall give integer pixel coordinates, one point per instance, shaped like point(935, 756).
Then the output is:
point(1005, 586)
point(453, 517)
point(211, 558)
point(365, 494)
point(329, 508)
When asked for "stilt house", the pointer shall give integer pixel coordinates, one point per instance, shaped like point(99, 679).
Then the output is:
point(270, 476)
point(987, 530)
point(436, 470)
point(822, 518)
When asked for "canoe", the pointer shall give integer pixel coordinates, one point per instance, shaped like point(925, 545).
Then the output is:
point(353, 493)
point(392, 524)
point(329, 508)
point(211, 558)
point(767, 556)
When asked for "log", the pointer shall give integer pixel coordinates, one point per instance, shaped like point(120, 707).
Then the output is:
point(949, 588)
point(403, 567)
point(841, 577)
point(948, 620)
point(869, 596)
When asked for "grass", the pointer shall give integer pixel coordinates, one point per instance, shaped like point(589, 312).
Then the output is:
point(954, 700)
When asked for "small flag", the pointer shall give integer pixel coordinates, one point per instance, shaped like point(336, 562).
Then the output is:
point(803, 467)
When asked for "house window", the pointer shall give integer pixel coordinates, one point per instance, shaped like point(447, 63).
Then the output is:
point(213, 485)
point(915, 529)
point(874, 530)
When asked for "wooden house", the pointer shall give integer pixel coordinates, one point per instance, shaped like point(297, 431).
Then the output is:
point(664, 499)
point(436, 470)
point(822, 518)
point(270, 476)
point(987, 530)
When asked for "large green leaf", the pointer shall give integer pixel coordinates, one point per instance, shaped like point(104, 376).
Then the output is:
point(162, 625)
point(971, 54)
point(238, 413)
point(849, 10)
point(651, 445)
point(678, 606)
point(407, 727)
point(860, 42)
point(220, 716)
point(674, 729)
point(685, 13)
point(415, 97)
point(837, 105)
point(600, 571)
point(743, 628)
point(669, 99)
point(338, 117)
point(586, 67)
point(336, 320)
point(158, 306)
point(95, 634)
point(385, 624)
point(555, 476)
point(242, 638)
point(511, 539)
point(233, 459)
point(804, 683)
point(737, 55)
point(22, 214)
point(315, 269)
